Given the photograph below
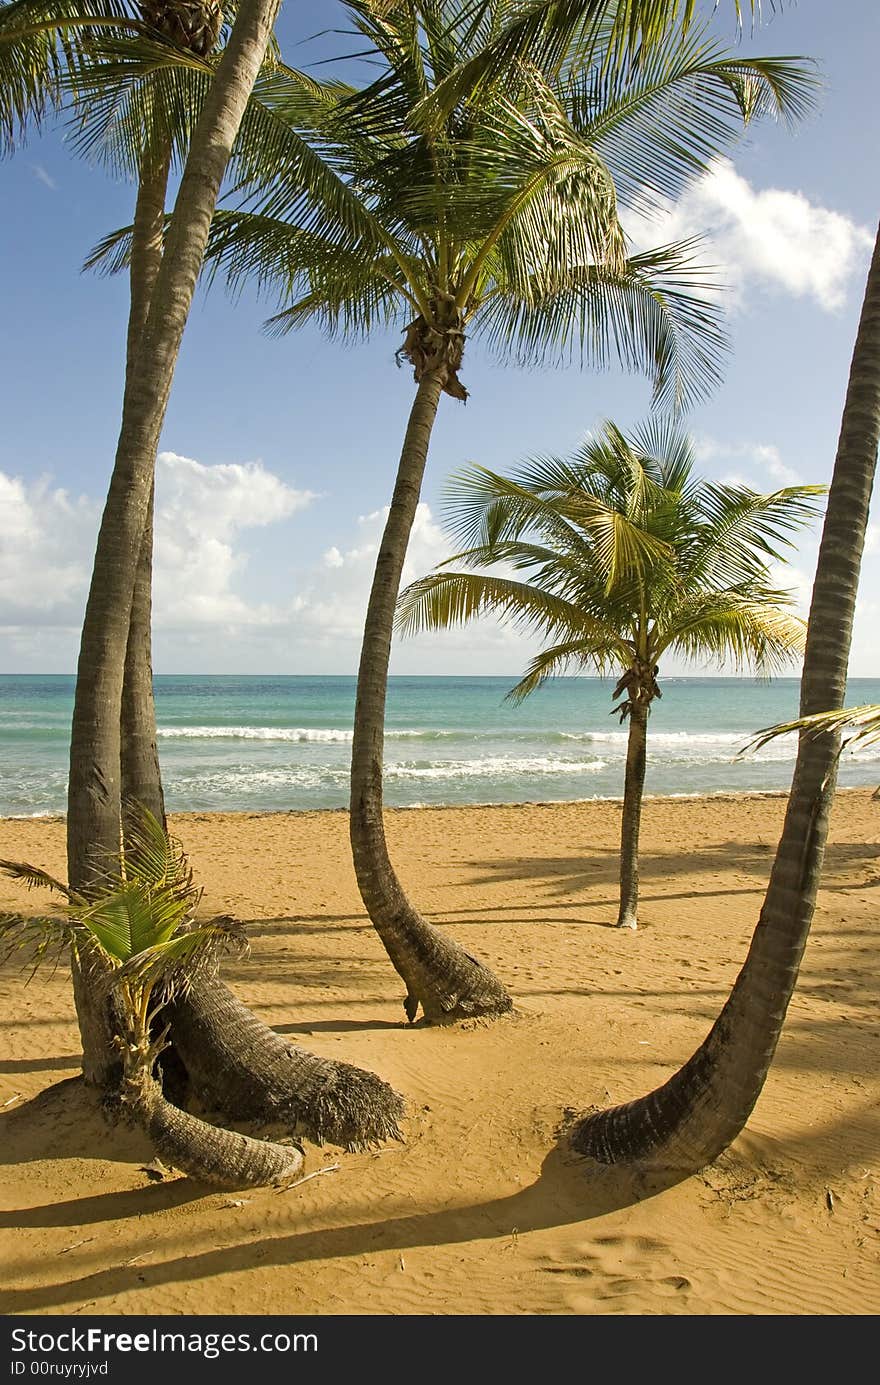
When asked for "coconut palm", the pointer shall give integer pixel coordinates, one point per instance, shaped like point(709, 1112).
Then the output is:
point(628, 558)
point(502, 225)
point(138, 930)
point(693, 1117)
point(136, 105)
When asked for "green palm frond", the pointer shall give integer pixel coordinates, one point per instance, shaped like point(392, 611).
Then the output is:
point(644, 122)
point(444, 600)
point(614, 33)
point(738, 527)
point(863, 722)
point(558, 659)
point(746, 629)
point(509, 205)
point(133, 918)
point(153, 856)
point(174, 964)
point(603, 545)
point(37, 939)
point(658, 316)
point(44, 44)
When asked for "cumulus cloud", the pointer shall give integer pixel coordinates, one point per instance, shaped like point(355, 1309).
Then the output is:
point(763, 462)
point(200, 513)
point(206, 522)
point(47, 541)
point(46, 538)
point(769, 238)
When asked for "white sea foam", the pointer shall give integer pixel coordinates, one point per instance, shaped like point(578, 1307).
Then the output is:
point(327, 735)
point(490, 767)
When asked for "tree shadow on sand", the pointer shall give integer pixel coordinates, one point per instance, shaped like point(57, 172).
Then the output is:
point(568, 1190)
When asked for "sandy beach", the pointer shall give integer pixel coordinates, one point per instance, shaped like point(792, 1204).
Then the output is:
point(480, 1210)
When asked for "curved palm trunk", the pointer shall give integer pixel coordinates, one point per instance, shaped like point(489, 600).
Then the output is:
point(210, 1153)
point(688, 1121)
point(238, 1066)
point(94, 793)
point(218, 1048)
point(633, 790)
point(438, 974)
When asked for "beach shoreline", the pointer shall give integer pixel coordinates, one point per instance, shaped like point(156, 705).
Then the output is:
point(479, 1210)
point(717, 795)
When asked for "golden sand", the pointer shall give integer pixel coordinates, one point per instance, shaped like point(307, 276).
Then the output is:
point(480, 1210)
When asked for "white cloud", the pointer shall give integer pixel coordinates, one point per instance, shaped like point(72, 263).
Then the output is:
point(46, 540)
point(769, 238)
point(763, 458)
point(43, 177)
point(206, 518)
point(47, 544)
point(200, 512)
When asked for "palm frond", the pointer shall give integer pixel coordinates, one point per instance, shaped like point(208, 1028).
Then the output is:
point(862, 721)
point(174, 964)
point(35, 878)
point(546, 33)
point(444, 600)
point(36, 939)
point(661, 125)
point(43, 45)
point(658, 316)
point(750, 628)
point(558, 659)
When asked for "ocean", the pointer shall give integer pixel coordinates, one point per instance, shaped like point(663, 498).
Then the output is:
point(283, 743)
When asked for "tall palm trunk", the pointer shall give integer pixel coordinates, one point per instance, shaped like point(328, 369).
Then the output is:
point(633, 790)
point(688, 1121)
point(94, 794)
point(232, 1060)
point(141, 780)
point(438, 974)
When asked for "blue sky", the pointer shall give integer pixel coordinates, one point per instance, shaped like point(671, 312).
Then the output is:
point(277, 456)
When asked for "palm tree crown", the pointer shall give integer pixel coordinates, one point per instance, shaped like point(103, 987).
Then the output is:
point(629, 557)
point(504, 220)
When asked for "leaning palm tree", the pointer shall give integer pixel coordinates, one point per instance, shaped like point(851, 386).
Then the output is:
point(138, 929)
point(501, 224)
point(629, 558)
point(136, 103)
point(694, 1116)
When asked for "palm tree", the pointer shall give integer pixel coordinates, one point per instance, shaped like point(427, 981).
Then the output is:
point(502, 224)
point(629, 558)
point(139, 929)
point(693, 1117)
point(137, 105)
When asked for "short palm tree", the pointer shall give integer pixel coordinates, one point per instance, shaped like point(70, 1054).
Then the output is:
point(139, 928)
point(499, 224)
point(629, 558)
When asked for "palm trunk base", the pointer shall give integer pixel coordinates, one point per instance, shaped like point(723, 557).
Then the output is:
point(240, 1067)
point(209, 1153)
point(445, 980)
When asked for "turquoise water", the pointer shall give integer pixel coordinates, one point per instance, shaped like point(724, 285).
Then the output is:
point(264, 743)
